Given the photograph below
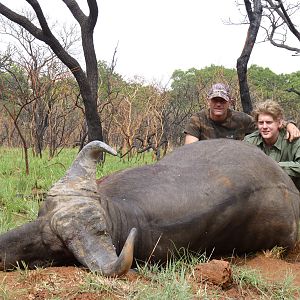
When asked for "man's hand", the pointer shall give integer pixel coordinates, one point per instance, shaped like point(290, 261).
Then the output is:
point(292, 132)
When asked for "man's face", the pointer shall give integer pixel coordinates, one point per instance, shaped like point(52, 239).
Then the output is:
point(218, 108)
point(268, 128)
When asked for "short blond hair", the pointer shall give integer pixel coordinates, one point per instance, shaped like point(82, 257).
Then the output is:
point(268, 107)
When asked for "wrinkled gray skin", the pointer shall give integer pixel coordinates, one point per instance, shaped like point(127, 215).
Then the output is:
point(218, 195)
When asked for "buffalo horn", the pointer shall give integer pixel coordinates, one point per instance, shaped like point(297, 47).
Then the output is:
point(99, 255)
point(81, 176)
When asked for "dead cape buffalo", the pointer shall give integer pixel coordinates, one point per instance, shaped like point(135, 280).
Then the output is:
point(220, 195)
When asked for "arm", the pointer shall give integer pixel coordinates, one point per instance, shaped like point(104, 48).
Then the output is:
point(292, 167)
point(292, 132)
point(192, 130)
point(190, 139)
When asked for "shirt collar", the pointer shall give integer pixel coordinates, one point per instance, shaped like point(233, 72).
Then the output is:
point(278, 143)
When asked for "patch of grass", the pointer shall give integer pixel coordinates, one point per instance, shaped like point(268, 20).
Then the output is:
point(97, 283)
point(6, 220)
point(286, 289)
point(172, 280)
point(4, 291)
point(21, 194)
point(179, 259)
point(108, 287)
point(247, 279)
point(276, 252)
point(150, 281)
point(23, 270)
point(168, 285)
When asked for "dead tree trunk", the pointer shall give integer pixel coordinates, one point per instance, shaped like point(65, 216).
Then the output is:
point(254, 14)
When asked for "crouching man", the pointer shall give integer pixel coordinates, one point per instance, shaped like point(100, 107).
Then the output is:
point(270, 138)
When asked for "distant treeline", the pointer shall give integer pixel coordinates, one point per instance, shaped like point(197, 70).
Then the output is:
point(41, 107)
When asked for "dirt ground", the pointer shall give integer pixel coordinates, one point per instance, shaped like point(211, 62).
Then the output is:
point(71, 282)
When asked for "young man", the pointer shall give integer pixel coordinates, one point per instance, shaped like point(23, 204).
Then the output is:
point(270, 138)
point(219, 121)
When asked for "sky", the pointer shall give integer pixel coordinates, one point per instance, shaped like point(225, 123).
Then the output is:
point(156, 37)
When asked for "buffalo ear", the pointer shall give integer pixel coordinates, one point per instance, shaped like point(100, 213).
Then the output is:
point(23, 243)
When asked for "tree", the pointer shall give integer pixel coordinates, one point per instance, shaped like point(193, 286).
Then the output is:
point(42, 69)
point(87, 80)
point(275, 18)
point(14, 79)
point(279, 25)
point(254, 13)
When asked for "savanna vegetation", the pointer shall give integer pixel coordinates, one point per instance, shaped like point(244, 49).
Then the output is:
point(48, 101)
point(44, 111)
point(45, 125)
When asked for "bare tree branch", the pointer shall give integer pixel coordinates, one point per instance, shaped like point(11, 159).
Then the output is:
point(88, 82)
point(279, 16)
point(288, 20)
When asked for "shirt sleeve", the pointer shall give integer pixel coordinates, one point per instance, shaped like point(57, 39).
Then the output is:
point(288, 121)
point(247, 139)
point(292, 168)
point(193, 127)
point(251, 138)
point(251, 126)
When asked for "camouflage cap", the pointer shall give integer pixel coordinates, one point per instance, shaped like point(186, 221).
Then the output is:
point(219, 90)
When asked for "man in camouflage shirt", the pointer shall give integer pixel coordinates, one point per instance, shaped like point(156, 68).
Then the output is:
point(219, 121)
